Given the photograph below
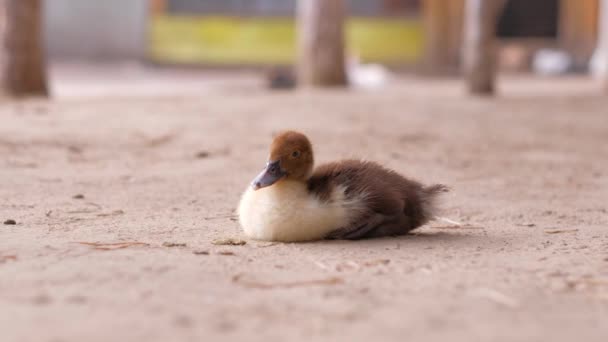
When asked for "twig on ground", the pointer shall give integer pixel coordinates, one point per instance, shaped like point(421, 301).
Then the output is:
point(226, 216)
point(497, 297)
point(377, 262)
point(5, 258)
point(239, 279)
point(322, 265)
point(82, 211)
point(447, 220)
point(559, 231)
point(158, 140)
point(457, 227)
point(348, 265)
point(94, 204)
point(109, 246)
point(593, 281)
point(114, 213)
point(174, 244)
point(264, 245)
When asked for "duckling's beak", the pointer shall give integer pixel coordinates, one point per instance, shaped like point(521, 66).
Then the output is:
point(271, 174)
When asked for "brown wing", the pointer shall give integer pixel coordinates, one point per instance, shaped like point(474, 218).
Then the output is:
point(383, 188)
point(395, 204)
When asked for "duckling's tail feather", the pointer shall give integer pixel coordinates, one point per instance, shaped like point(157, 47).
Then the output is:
point(436, 189)
point(428, 200)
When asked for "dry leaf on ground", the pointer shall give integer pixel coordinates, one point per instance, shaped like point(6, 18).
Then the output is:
point(229, 242)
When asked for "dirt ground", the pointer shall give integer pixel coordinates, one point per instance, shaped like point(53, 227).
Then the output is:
point(118, 199)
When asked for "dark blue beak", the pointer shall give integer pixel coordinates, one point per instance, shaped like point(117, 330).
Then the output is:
point(271, 174)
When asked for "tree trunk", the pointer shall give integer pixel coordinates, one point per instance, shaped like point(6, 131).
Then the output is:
point(602, 45)
point(22, 67)
point(321, 43)
point(479, 53)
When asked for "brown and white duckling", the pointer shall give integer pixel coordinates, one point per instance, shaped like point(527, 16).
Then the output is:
point(349, 199)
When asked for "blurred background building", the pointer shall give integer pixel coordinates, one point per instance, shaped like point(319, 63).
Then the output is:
point(406, 33)
point(97, 30)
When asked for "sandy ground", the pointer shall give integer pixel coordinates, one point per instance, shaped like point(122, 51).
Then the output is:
point(529, 179)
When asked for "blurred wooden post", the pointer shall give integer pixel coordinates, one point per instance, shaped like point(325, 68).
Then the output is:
point(22, 65)
point(443, 34)
point(479, 54)
point(578, 28)
point(321, 43)
point(603, 42)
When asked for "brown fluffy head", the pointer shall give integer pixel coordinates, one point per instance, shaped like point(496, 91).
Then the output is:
point(294, 153)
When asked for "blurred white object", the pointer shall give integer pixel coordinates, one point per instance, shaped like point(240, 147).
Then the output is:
point(596, 65)
point(366, 76)
point(551, 62)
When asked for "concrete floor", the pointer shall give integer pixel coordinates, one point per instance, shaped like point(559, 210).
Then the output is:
point(161, 158)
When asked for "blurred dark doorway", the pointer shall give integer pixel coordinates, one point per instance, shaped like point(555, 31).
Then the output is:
point(529, 19)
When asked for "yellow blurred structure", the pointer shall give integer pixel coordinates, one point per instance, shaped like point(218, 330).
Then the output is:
point(232, 40)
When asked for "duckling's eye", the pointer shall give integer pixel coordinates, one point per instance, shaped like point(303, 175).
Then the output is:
point(295, 154)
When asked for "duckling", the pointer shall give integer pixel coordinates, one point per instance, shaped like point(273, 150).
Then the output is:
point(349, 199)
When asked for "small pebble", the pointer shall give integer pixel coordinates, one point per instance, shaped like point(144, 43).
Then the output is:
point(76, 299)
point(225, 253)
point(42, 299)
point(10, 222)
point(200, 252)
point(78, 196)
point(183, 321)
point(202, 155)
point(74, 149)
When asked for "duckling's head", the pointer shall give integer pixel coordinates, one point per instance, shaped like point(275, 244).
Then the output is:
point(290, 158)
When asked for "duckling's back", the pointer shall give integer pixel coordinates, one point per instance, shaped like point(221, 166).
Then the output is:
point(390, 203)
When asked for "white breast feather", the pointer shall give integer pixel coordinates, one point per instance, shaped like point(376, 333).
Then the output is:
point(286, 211)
